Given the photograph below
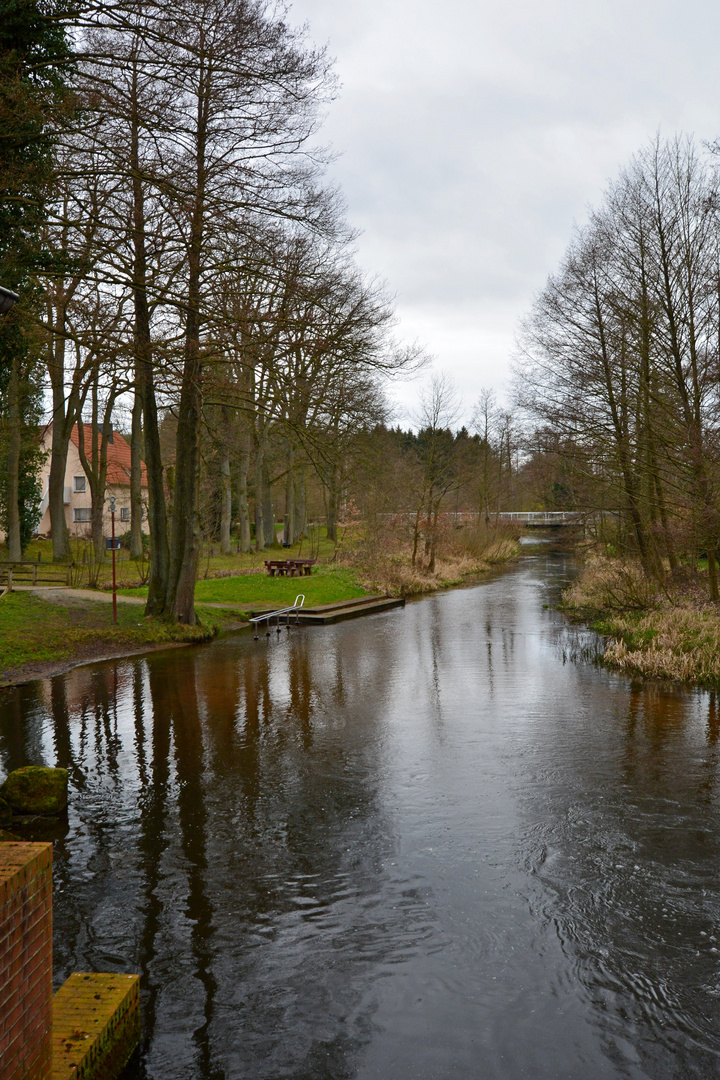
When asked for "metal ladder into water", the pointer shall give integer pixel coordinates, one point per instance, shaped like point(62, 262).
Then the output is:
point(287, 612)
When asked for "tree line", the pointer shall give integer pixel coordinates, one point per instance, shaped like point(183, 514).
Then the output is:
point(619, 360)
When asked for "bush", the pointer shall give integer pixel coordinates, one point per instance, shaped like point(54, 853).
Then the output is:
point(611, 585)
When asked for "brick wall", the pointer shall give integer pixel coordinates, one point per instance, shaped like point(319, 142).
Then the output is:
point(25, 961)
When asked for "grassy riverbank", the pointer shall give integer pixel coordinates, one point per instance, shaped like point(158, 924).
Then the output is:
point(671, 632)
point(133, 573)
point(40, 636)
point(256, 591)
point(358, 561)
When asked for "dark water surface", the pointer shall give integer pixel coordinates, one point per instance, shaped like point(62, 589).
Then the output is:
point(434, 843)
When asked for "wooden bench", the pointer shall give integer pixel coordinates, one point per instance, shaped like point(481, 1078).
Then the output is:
point(302, 566)
point(289, 567)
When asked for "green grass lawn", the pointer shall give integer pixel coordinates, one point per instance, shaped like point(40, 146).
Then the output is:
point(35, 631)
point(130, 571)
point(325, 585)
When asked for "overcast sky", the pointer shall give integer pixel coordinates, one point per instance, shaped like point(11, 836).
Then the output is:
point(473, 134)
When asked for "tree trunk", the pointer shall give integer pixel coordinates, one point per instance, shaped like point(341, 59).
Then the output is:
point(136, 504)
point(243, 508)
point(61, 430)
point(13, 465)
point(95, 467)
point(56, 496)
point(300, 504)
point(157, 511)
point(289, 532)
point(433, 540)
point(185, 533)
point(259, 522)
point(142, 343)
point(96, 525)
point(660, 495)
point(226, 508)
point(268, 510)
point(416, 532)
point(333, 499)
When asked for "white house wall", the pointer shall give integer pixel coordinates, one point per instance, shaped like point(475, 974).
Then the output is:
point(81, 499)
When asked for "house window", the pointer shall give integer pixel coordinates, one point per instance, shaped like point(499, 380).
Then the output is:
point(82, 513)
point(124, 513)
point(79, 483)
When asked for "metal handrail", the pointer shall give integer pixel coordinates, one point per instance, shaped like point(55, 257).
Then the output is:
point(268, 615)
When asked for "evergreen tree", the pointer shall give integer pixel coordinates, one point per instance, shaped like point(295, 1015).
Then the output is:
point(34, 63)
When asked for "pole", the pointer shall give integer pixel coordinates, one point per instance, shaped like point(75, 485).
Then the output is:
point(112, 533)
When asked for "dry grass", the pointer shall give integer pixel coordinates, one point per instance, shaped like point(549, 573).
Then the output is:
point(659, 632)
point(610, 585)
point(393, 573)
point(679, 644)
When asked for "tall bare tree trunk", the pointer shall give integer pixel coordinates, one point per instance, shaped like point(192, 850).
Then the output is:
point(333, 505)
point(62, 424)
point(136, 504)
point(13, 465)
point(300, 504)
point(289, 531)
point(243, 508)
point(142, 343)
point(226, 507)
point(185, 530)
point(268, 509)
point(259, 513)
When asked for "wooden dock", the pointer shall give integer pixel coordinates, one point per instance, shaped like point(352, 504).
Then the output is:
point(324, 614)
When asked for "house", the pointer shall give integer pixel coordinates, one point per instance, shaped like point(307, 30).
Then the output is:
point(77, 488)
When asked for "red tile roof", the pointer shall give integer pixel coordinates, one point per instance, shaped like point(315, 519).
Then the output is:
point(118, 456)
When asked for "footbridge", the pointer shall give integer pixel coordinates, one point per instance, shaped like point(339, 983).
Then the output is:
point(543, 519)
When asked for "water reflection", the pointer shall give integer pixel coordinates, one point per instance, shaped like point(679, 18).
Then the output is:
point(439, 842)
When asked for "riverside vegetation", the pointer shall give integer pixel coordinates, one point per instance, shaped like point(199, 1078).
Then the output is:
point(42, 633)
point(669, 632)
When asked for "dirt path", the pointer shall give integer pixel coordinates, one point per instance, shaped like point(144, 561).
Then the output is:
point(62, 594)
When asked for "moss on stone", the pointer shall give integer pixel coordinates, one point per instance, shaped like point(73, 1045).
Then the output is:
point(5, 814)
point(36, 789)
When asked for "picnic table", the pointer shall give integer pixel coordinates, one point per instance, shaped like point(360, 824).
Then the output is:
point(289, 567)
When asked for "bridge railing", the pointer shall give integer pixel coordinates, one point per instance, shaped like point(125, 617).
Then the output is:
point(520, 517)
point(537, 517)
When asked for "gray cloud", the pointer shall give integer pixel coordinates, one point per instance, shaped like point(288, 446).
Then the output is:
point(473, 135)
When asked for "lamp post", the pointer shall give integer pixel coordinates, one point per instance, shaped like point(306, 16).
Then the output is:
point(7, 299)
point(112, 533)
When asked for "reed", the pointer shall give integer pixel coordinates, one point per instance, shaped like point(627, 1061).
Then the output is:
point(658, 631)
point(679, 644)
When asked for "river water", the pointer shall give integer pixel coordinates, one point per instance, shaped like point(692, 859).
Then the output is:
point(434, 843)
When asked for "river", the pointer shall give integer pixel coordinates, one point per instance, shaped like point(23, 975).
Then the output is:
point(429, 844)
